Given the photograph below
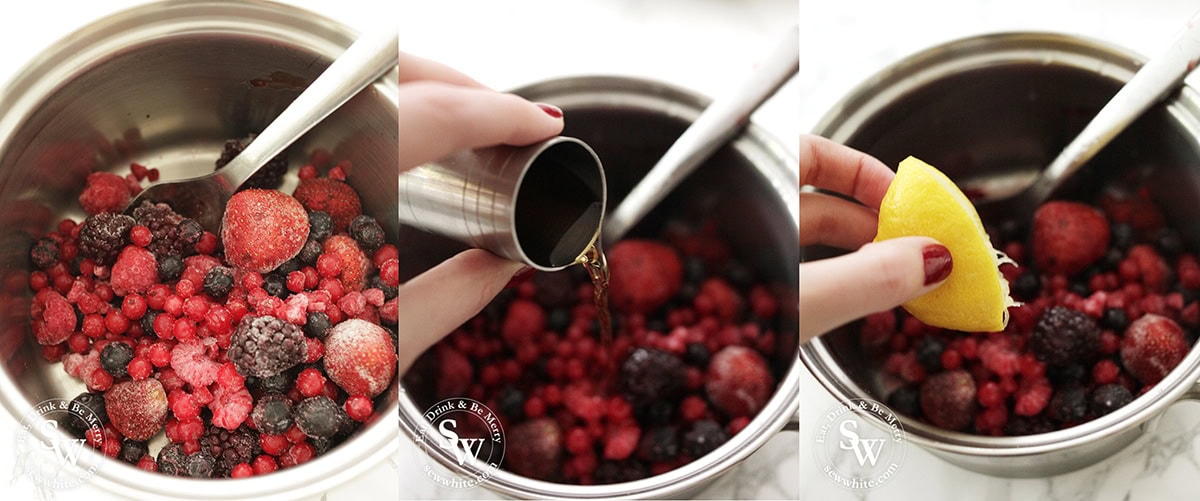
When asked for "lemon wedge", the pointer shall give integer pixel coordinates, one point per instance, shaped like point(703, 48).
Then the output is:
point(922, 201)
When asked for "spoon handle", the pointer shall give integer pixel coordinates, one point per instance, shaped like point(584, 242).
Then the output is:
point(368, 58)
point(1160, 76)
point(716, 125)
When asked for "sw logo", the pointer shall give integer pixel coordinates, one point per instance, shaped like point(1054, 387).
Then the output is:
point(865, 449)
point(860, 444)
point(461, 447)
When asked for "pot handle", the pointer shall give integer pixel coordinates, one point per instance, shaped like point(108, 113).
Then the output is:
point(1193, 393)
point(793, 424)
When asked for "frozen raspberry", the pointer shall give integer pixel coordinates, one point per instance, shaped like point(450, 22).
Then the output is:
point(104, 192)
point(265, 346)
point(230, 447)
point(1068, 237)
point(1033, 396)
point(1153, 345)
point(230, 407)
point(524, 320)
point(262, 229)
point(534, 449)
point(948, 399)
point(319, 417)
point(1108, 398)
point(269, 176)
point(703, 437)
point(621, 442)
point(999, 356)
point(137, 409)
point(1152, 270)
point(644, 275)
point(360, 357)
point(331, 196)
point(272, 414)
point(102, 236)
point(134, 272)
point(44, 254)
point(366, 231)
point(171, 233)
point(354, 263)
point(53, 317)
point(172, 459)
point(1063, 335)
point(717, 296)
point(649, 375)
point(738, 381)
point(192, 364)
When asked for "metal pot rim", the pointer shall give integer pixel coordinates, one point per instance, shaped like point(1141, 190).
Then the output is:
point(783, 405)
point(963, 55)
point(137, 26)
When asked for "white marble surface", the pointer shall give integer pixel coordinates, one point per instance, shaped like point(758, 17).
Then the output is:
point(841, 47)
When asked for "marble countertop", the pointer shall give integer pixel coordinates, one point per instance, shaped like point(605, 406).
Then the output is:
point(840, 48)
point(704, 45)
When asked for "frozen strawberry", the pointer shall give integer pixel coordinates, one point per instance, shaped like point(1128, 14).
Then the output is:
point(1068, 237)
point(948, 399)
point(135, 271)
point(334, 197)
point(534, 449)
point(739, 382)
point(262, 229)
point(354, 263)
point(1152, 347)
point(644, 275)
point(138, 409)
point(53, 317)
point(105, 192)
point(360, 357)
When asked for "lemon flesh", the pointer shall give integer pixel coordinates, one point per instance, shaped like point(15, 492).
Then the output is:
point(922, 201)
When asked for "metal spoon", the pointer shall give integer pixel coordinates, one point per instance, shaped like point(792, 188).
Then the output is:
point(203, 198)
point(1019, 192)
point(712, 129)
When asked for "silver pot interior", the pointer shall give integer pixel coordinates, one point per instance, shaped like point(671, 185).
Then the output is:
point(166, 86)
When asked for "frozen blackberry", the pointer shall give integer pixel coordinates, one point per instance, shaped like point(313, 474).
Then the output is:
point(200, 464)
point(115, 357)
point(704, 436)
point(44, 253)
point(929, 353)
point(319, 416)
point(697, 354)
point(230, 447)
point(272, 414)
point(650, 375)
point(133, 450)
point(659, 444)
point(511, 402)
point(317, 324)
point(103, 235)
point(310, 252)
point(173, 235)
point(1108, 398)
point(172, 460)
point(93, 402)
point(1021, 425)
point(1063, 335)
point(1069, 404)
point(218, 281)
point(269, 177)
point(610, 472)
point(320, 445)
point(906, 400)
point(366, 231)
point(276, 384)
point(265, 346)
point(170, 268)
point(320, 225)
point(275, 285)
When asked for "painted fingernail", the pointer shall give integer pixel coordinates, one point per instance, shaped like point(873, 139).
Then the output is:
point(937, 263)
point(550, 109)
point(522, 271)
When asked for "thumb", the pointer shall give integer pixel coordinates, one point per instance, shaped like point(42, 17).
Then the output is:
point(877, 277)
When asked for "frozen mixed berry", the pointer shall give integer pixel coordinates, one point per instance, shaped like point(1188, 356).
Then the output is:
point(137, 409)
point(331, 196)
point(171, 233)
point(534, 449)
point(1063, 335)
point(366, 231)
point(905, 400)
point(739, 382)
point(230, 448)
point(659, 444)
point(115, 357)
point(703, 437)
point(94, 403)
point(276, 384)
point(948, 399)
point(45, 253)
point(697, 354)
point(310, 252)
point(230, 406)
point(360, 357)
point(319, 417)
point(102, 236)
point(352, 263)
point(133, 450)
point(200, 464)
point(317, 324)
point(644, 275)
point(192, 363)
point(1068, 236)
point(172, 459)
point(320, 226)
point(275, 285)
point(269, 176)
point(218, 281)
point(615, 472)
point(1108, 398)
point(104, 192)
point(170, 268)
point(649, 375)
point(135, 271)
point(1069, 404)
point(265, 346)
point(510, 401)
point(54, 318)
point(1153, 345)
point(262, 229)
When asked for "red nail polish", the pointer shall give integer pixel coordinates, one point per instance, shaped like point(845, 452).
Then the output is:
point(937, 263)
point(551, 110)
